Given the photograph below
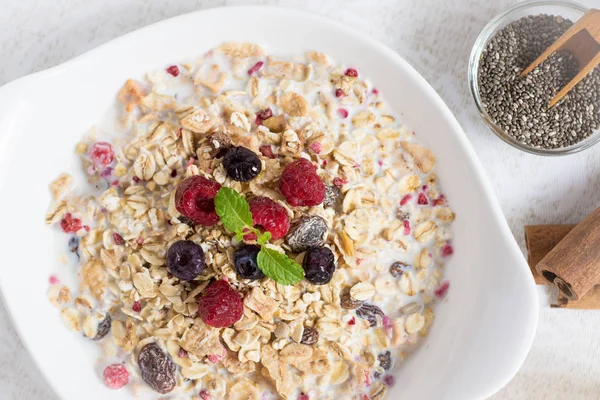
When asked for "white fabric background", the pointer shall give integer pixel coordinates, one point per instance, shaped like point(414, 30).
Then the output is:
point(435, 36)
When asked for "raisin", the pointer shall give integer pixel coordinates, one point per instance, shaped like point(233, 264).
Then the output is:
point(103, 328)
point(74, 245)
point(185, 220)
point(158, 370)
point(397, 268)
point(307, 232)
point(385, 360)
point(309, 336)
point(347, 302)
point(370, 313)
point(242, 164)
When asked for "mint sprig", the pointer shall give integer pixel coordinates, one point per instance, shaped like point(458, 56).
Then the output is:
point(234, 211)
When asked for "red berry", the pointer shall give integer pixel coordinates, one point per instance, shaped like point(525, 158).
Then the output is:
point(442, 290)
point(389, 380)
point(204, 395)
point(339, 181)
point(351, 72)
point(343, 113)
point(262, 115)
point(422, 200)
point(137, 306)
point(375, 91)
point(69, 224)
point(301, 185)
point(255, 67)
point(267, 151)
point(447, 250)
point(115, 376)
point(303, 397)
point(194, 198)
point(220, 305)
point(339, 93)
point(53, 280)
point(183, 353)
point(136, 179)
point(270, 216)
point(101, 154)
point(405, 199)
point(173, 70)
point(316, 147)
point(118, 239)
point(352, 321)
point(439, 201)
point(217, 358)
point(406, 224)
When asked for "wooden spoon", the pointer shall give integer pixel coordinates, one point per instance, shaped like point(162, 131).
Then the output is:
point(583, 41)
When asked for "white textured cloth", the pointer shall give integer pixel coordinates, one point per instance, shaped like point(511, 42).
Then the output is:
point(435, 36)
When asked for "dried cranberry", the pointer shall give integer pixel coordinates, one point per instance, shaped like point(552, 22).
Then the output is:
point(343, 113)
point(183, 353)
point(447, 250)
point(217, 358)
point(422, 200)
point(101, 154)
point(301, 185)
point(339, 93)
point(439, 201)
point(316, 147)
point(173, 70)
point(406, 224)
point(352, 321)
point(442, 290)
point(118, 239)
point(194, 198)
point(303, 397)
point(256, 67)
point(267, 151)
point(137, 306)
point(70, 224)
point(262, 115)
point(351, 72)
point(158, 370)
point(405, 199)
point(115, 376)
point(53, 280)
point(339, 181)
point(220, 305)
point(204, 395)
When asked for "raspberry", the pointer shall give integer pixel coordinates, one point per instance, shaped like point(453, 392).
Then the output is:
point(173, 70)
point(270, 216)
point(352, 321)
point(343, 113)
point(303, 397)
point(422, 200)
point(301, 185)
point(204, 395)
point(375, 91)
point(115, 376)
point(406, 224)
point(101, 154)
point(339, 182)
point(69, 224)
point(447, 250)
point(405, 199)
point(194, 198)
point(220, 305)
point(339, 93)
point(137, 306)
point(389, 380)
point(351, 72)
point(256, 67)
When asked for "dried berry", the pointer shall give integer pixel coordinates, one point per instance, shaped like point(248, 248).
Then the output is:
point(343, 113)
point(422, 200)
point(246, 264)
point(158, 370)
point(220, 305)
point(442, 290)
point(137, 306)
point(332, 195)
point(115, 376)
point(118, 239)
point(370, 313)
point(447, 250)
point(241, 164)
point(348, 303)
point(103, 328)
point(267, 151)
point(301, 185)
point(173, 70)
point(185, 260)
point(262, 115)
point(397, 268)
point(101, 154)
point(351, 72)
point(70, 224)
point(219, 143)
point(194, 198)
point(385, 360)
point(256, 67)
point(319, 265)
point(204, 395)
point(309, 336)
point(308, 231)
point(269, 216)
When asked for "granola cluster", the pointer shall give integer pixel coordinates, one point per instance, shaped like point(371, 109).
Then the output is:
point(383, 217)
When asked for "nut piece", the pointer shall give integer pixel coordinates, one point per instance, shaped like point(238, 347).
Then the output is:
point(362, 291)
point(308, 231)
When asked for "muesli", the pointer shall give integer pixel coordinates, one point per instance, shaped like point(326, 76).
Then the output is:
point(254, 228)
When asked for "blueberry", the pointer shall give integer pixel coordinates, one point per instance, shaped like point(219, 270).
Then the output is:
point(246, 264)
point(241, 164)
point(319, 265)
point(185, 260)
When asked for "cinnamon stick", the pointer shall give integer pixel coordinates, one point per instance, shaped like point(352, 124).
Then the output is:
point(573, 265)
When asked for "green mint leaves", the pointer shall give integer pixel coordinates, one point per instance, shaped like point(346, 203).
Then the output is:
point(234, 211)
point(279, 267)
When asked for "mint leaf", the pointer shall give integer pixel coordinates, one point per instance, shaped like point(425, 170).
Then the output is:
point(264, 238)
point(279, 267)
point(234, 211)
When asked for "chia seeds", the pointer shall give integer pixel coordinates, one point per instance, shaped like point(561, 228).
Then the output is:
point(520, 106)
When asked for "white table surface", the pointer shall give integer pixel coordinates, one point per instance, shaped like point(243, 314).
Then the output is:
point(435, 36)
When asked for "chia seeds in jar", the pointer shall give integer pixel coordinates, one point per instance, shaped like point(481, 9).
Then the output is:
point(520, 106)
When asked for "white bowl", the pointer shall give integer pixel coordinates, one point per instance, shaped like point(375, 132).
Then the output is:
point(483, 330)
